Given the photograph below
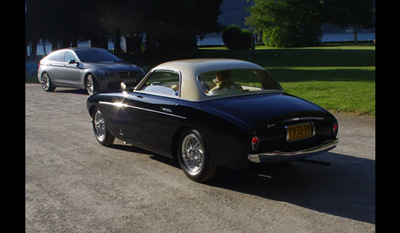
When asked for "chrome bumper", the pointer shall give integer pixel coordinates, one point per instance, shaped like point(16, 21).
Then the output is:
point(280, 156)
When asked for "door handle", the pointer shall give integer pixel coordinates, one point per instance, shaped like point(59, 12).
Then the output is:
point(166, 109)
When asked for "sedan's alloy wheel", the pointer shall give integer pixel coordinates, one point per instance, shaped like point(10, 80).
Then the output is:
point(90, 85)
point(46, 82)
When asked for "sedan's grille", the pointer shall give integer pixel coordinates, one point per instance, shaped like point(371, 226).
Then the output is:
point(128, 75)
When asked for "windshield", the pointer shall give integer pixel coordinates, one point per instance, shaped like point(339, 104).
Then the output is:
point(225, 82)
point(96, 55)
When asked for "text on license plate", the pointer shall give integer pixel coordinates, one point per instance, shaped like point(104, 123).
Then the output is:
point(299, 131)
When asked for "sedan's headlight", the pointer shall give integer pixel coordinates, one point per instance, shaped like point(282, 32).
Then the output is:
point(105, 72)
point(141, 71)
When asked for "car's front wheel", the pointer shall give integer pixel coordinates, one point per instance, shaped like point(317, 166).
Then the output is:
point(194, 158)
point(103, 136)
point(91, 85)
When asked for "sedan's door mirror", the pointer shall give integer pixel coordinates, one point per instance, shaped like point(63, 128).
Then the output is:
point(72, 62)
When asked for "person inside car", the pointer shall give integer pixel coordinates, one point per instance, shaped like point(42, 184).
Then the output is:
point(225, 84)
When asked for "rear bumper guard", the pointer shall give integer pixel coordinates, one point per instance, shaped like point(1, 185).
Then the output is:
point(276, 156)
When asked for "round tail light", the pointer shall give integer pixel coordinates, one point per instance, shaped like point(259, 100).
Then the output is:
point(255, 141)
point(335, 128)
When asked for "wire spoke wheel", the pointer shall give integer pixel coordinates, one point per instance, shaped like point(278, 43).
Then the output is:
point(103, 136)
point(99, 126)
point(192, 154)
point(195, 161)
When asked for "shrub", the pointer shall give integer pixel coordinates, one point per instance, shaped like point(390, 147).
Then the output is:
point(235, 38)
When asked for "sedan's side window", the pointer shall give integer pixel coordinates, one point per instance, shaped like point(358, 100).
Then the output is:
point(59, 56)
point(69, 56)
point(163, 82)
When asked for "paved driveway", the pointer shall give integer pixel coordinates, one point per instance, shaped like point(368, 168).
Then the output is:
point(75, 185)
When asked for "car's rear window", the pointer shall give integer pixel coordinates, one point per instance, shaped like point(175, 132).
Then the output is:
point(227, 82)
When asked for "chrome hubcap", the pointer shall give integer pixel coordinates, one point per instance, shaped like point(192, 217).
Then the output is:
point(99, 126)
point(192, 154)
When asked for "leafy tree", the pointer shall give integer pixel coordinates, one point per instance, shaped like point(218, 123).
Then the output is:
point(287, 23)
point(168, 25)
point(32, 18)
point(174, 25)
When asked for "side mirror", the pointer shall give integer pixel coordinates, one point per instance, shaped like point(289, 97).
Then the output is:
point(72, 62)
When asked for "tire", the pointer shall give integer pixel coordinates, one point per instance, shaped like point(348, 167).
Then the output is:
point(103, 136)
point(46, 83)
point(91, 84)
point(194, 158)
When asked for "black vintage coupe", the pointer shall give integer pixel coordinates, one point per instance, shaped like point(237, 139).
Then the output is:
point(213, 112)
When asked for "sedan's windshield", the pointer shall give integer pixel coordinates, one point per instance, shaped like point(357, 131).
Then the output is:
point(96, 55)
point(223, 82)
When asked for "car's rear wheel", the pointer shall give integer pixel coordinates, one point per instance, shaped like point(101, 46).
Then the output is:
point(103, 136)
point(46, 82)
point(194, 158)
point(91, 85)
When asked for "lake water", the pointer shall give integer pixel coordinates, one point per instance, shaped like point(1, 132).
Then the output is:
point(341, 37)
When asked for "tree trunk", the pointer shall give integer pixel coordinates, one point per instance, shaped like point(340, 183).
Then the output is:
point(117, 45)
point(44, 47)
point(26, 48)
point(34, 48)
point(74, 42)
point(54, 44)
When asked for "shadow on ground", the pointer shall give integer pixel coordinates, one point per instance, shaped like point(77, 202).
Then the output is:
point(346, 188)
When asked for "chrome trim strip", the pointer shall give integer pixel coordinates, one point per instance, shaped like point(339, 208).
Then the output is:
point(303, 119)
point(325, 146)
point(118, 105)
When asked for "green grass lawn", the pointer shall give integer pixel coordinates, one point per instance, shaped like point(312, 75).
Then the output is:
point(335, 76)
point(31, 79)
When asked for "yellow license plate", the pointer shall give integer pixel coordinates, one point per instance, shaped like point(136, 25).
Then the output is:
point(299, 132)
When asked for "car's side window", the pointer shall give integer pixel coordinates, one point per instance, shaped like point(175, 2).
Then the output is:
point(163, 82)
point(69, 56)
point(59, 56)
point(50, 57)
